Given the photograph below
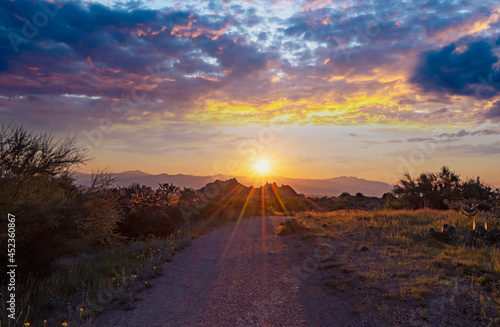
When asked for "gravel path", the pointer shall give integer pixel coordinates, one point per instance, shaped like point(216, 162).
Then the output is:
point(238, 275)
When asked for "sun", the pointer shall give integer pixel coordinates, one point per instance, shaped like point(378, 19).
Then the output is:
point(262, 166)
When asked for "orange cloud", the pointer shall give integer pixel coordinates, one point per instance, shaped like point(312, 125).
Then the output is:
point(469, 28)
point(315, 4)
point(192, 31)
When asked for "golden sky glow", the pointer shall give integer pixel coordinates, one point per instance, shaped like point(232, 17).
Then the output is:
point(318, 88)
point(262, 166)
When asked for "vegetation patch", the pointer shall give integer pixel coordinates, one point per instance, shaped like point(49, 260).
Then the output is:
point(291, 225)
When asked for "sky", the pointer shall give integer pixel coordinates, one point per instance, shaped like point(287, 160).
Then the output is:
point(320, 88)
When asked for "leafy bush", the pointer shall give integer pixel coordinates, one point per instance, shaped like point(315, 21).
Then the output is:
point(99, 224)
point(53, 216)
point(45, 220)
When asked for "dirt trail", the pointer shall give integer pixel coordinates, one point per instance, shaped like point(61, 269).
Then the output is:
point(238, 275)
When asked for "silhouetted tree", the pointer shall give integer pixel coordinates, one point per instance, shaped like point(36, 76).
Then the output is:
point(53, 215)
point(429, 190)
point(345, 195)
point(24, 154)
point(476, 189)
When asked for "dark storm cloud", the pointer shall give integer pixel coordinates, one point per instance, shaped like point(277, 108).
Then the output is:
point(454, 72)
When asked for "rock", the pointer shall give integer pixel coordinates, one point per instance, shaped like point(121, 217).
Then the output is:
point(470, 238)
point(451, 230)
point(493, 236)
point(447, 232)
point(492, 233)
point(481, 231)
point(363, 248)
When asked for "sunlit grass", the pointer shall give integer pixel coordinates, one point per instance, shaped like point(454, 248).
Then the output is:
point(403, 263)
point(291, 225)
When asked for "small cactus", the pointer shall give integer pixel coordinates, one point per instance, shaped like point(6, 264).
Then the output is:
point(469, 210)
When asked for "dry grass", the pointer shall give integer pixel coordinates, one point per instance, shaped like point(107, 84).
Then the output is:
point(404, 267)
point(291, 225)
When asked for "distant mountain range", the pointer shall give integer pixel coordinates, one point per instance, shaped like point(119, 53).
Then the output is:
point(310, 187)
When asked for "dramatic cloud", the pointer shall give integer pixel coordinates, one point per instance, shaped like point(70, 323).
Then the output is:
point(243, 61)
point(467, 73)
point(144, 65)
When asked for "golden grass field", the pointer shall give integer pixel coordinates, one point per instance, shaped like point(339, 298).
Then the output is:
point(391, 255)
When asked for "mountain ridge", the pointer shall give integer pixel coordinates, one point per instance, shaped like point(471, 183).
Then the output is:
point(311, 187)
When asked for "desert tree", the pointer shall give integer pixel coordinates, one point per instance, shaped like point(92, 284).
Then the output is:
point(428, 190)
point(53, 214)
point(25, 154)
point(477, 189)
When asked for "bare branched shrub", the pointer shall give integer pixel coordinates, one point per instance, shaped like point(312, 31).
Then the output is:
point(101, 179)
point(166, 195)
point(470, 210)
point(24, 154)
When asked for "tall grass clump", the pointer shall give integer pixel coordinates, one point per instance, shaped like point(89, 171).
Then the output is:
point(291, 225)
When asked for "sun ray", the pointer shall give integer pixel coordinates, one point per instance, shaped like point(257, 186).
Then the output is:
point(280, 200)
